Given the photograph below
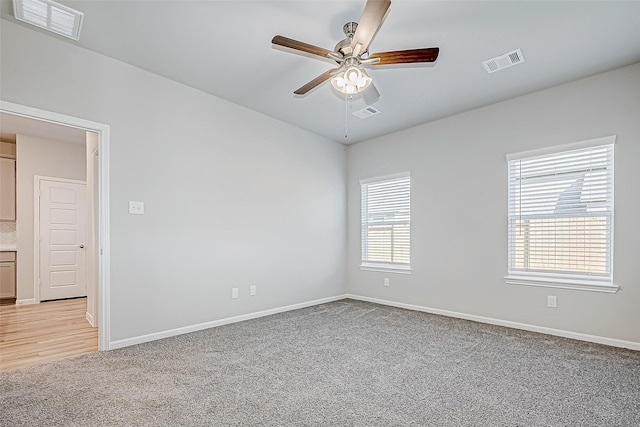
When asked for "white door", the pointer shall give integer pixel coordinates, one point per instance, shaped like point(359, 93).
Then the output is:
point(62, 239)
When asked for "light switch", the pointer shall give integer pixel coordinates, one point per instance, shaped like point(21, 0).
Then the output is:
point(136, 208)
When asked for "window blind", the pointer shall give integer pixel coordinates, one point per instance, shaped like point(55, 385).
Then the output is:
point(561, 215)
point(386, 221)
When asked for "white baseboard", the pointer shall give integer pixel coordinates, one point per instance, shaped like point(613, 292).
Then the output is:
point(515, 325)
point(26, 301)
point(90, 319)
point(200, 326)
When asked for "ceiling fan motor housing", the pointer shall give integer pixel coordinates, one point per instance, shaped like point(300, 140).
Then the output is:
point(344, 46)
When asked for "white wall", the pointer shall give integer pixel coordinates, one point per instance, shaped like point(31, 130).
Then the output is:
point(45, 157)
point(459, 206)
point(232, 198)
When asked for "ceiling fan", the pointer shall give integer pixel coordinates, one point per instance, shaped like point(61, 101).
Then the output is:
point(352, 54)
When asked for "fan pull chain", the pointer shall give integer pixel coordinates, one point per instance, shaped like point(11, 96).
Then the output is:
point(346, 116)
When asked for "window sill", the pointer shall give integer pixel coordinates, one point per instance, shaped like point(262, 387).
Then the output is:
point(580, 285)
point(386, 268)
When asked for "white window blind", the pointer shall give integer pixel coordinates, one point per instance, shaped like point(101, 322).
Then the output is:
point(386, 222)
point(561, 216)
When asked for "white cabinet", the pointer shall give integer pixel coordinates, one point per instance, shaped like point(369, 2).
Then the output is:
point(7, 189)
point(7, 274)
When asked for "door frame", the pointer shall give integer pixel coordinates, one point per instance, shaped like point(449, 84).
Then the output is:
point(104, 255)
point(37, 179)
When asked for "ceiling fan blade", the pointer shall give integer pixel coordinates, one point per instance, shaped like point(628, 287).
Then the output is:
point(406, 56)
point(371, 94)
point(301, 46)
point(316, 82)
point(370, 21)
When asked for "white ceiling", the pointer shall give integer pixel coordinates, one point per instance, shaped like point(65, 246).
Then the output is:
point(11, 124)
point(224, 48)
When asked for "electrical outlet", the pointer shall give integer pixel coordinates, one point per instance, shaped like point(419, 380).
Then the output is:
point(252, 290)
point(386, 281)
point(552, 301)
point(136, 208)
point(234, 292)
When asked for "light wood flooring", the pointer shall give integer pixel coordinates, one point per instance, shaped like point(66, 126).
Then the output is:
point(39, 333)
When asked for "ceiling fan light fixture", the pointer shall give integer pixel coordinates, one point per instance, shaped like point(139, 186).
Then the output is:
point(353, 74)
point(351, 81)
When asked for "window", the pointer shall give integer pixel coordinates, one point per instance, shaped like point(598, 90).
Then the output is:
point(386, 223)
point(561, 216)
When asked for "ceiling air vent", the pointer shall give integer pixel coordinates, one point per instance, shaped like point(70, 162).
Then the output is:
point(366, 112)
point(49, 15)
point(504, 61)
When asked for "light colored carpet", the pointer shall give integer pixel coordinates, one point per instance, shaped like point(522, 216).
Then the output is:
point(346, 363)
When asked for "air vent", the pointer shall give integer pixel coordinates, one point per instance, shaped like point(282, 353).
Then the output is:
point(49, 15)
point(366, 112)
point(504, 61)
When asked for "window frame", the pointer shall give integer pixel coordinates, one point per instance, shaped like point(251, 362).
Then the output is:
point(368, 265)
point(562, 279)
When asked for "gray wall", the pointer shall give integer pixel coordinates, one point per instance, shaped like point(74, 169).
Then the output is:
point(232, 198)
point(45, 157)
point(459, 206)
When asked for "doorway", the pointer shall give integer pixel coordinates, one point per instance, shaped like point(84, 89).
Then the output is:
point(101, 268)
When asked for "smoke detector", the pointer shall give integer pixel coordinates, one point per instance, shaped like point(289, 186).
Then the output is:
point(51, 16)
point(503, 61)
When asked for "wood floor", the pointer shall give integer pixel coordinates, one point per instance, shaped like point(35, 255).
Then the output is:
point(39, 333)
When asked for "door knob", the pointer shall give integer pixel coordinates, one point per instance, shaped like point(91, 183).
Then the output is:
point(81, 246)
